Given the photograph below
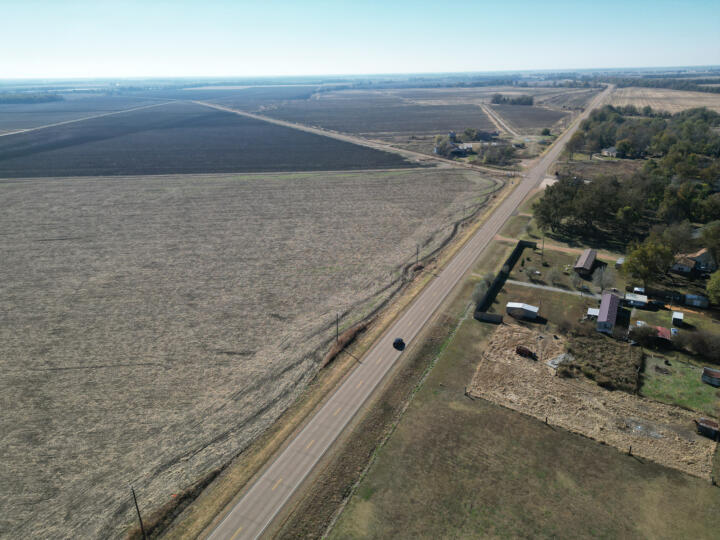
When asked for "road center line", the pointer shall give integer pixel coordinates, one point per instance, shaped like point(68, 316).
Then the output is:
point(309, 444)
point(337, 411)
point(276, 484)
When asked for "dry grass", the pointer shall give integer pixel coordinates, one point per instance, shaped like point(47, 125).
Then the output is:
point(664, 99)
point(155, 326)
point(662, 433)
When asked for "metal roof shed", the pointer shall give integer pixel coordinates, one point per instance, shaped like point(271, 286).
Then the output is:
point(586, 261)
point(522, 311)
point(609, 305)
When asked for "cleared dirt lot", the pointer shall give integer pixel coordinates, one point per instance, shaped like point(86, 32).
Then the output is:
point(152, 326)
point(664, 100)
point(662, 433)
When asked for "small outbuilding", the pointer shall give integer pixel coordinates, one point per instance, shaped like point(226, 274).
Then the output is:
point(711, 376)
point(586, 262)
point(663, 334)
point(678, 318)
point(636, 300)
point(522, 311)
point(610, 151)
point(609, 305)
point(593, 313)
point(619, 263)
point(708, 427)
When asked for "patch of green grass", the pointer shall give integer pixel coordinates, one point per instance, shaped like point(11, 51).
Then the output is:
point(515, 227)
point(681, 386)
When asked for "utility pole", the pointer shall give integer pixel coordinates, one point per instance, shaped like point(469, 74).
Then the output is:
point(337, 328)
point(417, 254)
point(542, 252)
point(142, 527)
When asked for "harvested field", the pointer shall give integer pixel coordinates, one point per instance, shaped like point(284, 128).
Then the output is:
point(663, 99)
point(153, 326)
point(662, 433)
point(523, 117)
point(570, 99)
point(24, 116)
point(483, 94)
point(373, 113)
point(178, 138)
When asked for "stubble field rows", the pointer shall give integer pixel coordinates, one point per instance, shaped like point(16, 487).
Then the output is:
point(178, 138)
point(151, 327)
point(662, 99)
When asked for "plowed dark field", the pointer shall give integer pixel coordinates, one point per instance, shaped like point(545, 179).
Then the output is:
point(525, 117)
point(365, 113)
point(178, 138)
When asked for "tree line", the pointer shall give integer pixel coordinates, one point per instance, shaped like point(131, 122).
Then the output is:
point(13, 98)
point(652, 209)
point(499, 99)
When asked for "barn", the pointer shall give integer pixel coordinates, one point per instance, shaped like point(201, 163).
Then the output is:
point(586, 262)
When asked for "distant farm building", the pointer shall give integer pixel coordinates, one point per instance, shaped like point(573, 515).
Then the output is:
point(683, 265)
point(522, 311)
point(609, 305)
point(610, 151)
point(708, 427)
point(704, 260)
point(678, 318)
point(697, 300)
point(636, 300)
point(711, 376)
point(585, 262)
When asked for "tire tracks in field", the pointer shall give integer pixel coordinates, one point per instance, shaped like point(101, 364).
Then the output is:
point(498, 120)
point(65, 122)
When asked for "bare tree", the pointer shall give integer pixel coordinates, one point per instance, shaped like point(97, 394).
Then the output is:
point(604, 278)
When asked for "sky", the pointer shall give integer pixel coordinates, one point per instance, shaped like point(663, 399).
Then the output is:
point(220, 38)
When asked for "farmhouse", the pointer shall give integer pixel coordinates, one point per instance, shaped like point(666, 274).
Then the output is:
point(522, 311)
point(608, 313)
point(678, 318)
point(711, 376)
point(696, 300)
point(585, 262)
point(636, 300)
point(610, 151)
point(683, 265)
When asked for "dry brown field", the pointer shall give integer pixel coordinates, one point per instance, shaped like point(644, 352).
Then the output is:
point(151, 327)
point(664, 99)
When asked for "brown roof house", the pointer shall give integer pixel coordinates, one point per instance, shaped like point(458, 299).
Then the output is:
point(586, 262)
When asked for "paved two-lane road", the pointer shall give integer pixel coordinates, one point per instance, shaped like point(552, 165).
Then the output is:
point(267, 496)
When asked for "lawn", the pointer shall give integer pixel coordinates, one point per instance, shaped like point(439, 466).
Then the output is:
point(678, 382)
point(458, 468)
